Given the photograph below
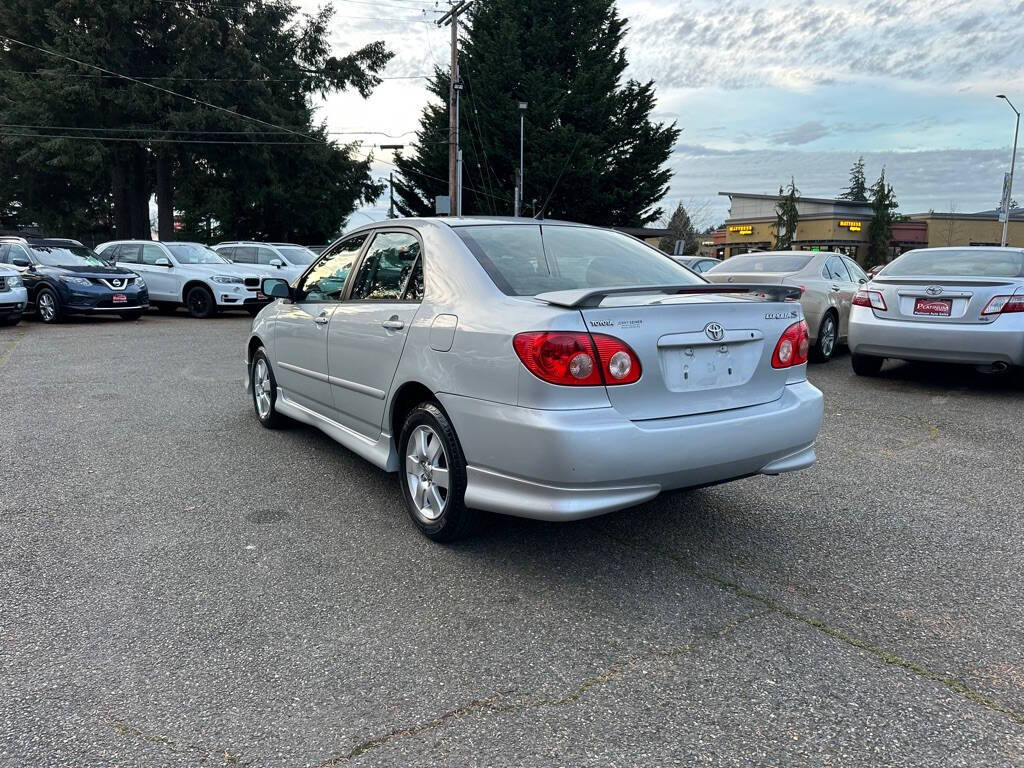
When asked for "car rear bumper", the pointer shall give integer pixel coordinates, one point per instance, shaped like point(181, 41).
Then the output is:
point(1000, 341)
point(570, 464)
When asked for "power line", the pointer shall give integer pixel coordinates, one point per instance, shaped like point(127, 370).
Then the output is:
point(158, 140)
point(193, 132)
point(54, 73)
point(204, 5)
point(159, 88)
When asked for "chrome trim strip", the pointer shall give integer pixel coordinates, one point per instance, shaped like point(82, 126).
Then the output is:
point(362, 389)
point(306, 372)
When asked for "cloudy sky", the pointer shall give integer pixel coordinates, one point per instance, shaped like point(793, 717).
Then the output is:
point(769, 89)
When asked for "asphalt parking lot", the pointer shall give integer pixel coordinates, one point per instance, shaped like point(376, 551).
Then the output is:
point(179, 586)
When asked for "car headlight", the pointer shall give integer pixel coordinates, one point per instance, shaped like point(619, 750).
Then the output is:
point(227, 280)
point(14, 282)
point(75, 280)
point(139, 282)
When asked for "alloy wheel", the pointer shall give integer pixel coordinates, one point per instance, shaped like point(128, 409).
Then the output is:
point(426, 472)
point(828, 336)
point(47, 307)
point(261, 387)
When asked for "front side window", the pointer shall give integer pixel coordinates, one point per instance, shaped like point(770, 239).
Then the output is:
point(524, 260)
point(265, 256)
point(297, 255)
point(388, 269)
point(326, 280)
point(150, 253)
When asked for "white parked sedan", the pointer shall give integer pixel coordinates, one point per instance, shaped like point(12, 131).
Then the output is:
point(548, 370)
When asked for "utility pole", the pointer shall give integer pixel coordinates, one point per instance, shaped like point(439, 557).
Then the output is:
point(455, 86)
point(391, 179)
point(520, 172)
point(1013, 162)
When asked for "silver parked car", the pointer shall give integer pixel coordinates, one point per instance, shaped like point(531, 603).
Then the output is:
point(955, 305)
point(828, 282)
point(699, 264)
point(547, 370)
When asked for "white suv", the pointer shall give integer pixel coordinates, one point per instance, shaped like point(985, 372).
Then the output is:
point(190, 274)
point(13, 296)
point(284, 260)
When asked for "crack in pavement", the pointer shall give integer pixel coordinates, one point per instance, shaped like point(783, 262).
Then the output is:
point(124, 728)
point(493, 703)
point(893, 659)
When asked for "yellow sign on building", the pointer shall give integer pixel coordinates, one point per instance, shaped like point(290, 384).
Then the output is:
point(850, 224)
point(741, 229)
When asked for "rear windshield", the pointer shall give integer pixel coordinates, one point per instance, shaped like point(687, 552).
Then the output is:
point(762, 262)
point(525, 260)
point(969, 262)
point(67, 256)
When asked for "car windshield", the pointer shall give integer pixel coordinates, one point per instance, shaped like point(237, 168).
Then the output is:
point(67, 256)
point(968, 262)
point(525, 260)
point(297, 255)
point(195, 253)
point(763, 262)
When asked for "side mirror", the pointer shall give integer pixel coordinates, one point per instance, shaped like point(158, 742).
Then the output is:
point(276, 288)
point(21, 261)
point(163, 261)
point(276, 263)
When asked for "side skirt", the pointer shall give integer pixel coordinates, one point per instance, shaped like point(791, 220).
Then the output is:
point(380, 452)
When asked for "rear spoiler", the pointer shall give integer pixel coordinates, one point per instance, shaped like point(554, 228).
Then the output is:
point(592, 297)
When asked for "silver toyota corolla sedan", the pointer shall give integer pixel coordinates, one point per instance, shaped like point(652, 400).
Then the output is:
point(954, 305)
point(827, 281)
point(541, 369)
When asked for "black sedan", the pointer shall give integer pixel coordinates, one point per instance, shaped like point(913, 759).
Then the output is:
point(63, 278)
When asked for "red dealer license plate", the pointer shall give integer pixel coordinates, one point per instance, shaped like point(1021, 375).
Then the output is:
point(120, 298)
point(261, 296)
point(933, 307)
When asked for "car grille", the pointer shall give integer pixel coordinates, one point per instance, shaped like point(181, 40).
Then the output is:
point(114, 284)
point(252, 282)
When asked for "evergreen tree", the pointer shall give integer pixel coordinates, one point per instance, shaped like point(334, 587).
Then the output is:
point(682, 229)
point(858, 189)
point(786, 217)
point(255, 58)
point(883, 208)
point(590, 144)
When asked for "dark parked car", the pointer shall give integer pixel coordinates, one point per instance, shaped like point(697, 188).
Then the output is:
point(63, 278)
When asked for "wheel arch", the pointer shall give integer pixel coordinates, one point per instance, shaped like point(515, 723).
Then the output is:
point(406, 397)
point(196, 283)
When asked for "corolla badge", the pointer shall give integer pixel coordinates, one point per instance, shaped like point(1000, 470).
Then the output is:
point(933, 290)
point(714, 331)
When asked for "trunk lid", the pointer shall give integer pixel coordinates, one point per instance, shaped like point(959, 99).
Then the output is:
point(940, 299)
point(699, 353)
point(760, 278)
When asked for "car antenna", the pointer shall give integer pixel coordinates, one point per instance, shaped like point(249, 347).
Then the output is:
point(543, 208)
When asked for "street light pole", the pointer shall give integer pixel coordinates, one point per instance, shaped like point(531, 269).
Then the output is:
point(520, 172)
point(1013, 162)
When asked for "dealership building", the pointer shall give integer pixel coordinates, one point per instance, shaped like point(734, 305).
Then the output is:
point(825, 224)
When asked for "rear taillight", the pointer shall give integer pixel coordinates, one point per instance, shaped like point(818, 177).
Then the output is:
point(1004, 305)
point(793, 346)
point(577, 359)
point(866, 298)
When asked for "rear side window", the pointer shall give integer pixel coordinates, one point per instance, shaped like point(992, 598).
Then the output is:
point(967, 262)
point(129, 253)
point(524, 260)
point(835, 269)
point(228, 252)
point(760, 262)
point(245, 254)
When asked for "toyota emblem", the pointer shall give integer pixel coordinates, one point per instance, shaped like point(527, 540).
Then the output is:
point(933, 290)
point(714, 331)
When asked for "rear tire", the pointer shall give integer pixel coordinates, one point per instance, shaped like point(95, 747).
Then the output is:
point(264, 391)
point(433, 475)
point(828, 339)
point(48, 306)
point(200, 302)
point(866, 365)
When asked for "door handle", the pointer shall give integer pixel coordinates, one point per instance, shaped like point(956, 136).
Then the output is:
point(394, 324)
point(322, 320)
point(835, 288)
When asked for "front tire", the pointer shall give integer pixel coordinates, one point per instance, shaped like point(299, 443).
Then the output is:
point(828, 339)
point(866, 365)
point(433, 474)
point(264, 391)
point(200, 302)
point(48, 306)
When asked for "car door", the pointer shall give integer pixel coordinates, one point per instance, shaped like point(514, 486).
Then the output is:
point(368, 329)
point(301, 326)
point(843, 286)
point(164, 282)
